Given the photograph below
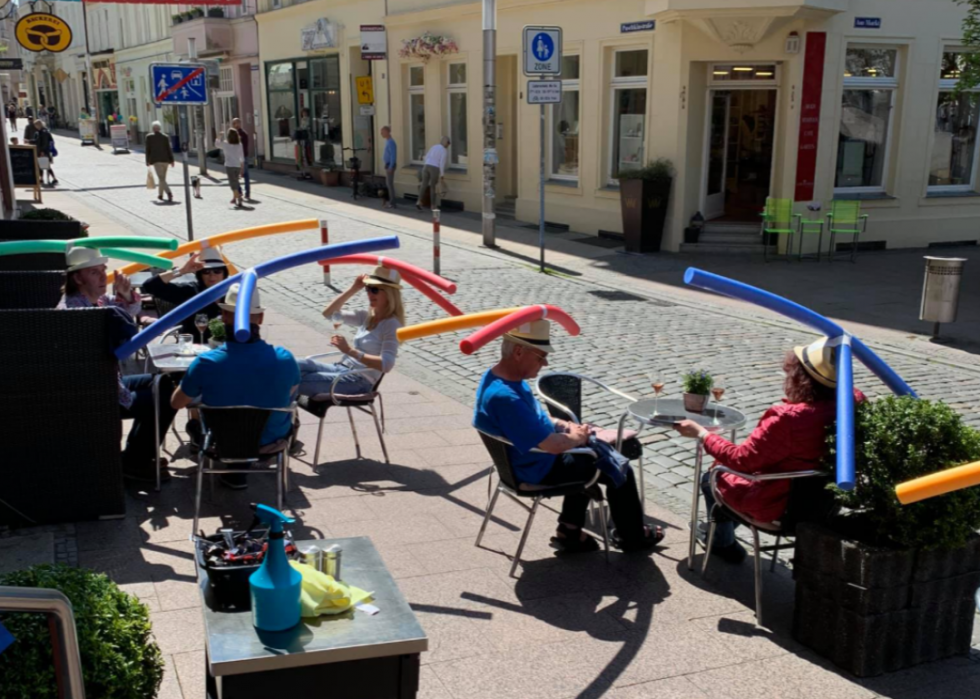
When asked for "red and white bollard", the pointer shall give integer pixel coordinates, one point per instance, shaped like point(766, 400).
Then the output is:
point(325, 240)
point(435, 241)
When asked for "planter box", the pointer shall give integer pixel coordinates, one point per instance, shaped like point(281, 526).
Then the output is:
point(874, 610)
point(330, 178)
point(644, 207)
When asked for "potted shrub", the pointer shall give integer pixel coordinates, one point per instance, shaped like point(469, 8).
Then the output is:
point(216, 12)
point(218, 336)
point(644, 195)
point(177, 18)
point(188, 16)
point(119, 656)
point(886, 586)
point(46, 215)
point(330, 174)
point(697, 387)
point(196, 12)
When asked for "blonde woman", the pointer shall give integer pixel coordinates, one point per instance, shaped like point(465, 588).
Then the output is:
point(375, 342)
point(234, 158)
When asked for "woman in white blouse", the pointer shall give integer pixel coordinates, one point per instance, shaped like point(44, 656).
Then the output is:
point(375, 342)
point(234, 157)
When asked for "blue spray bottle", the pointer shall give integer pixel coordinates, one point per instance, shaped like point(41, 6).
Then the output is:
point(275, 587)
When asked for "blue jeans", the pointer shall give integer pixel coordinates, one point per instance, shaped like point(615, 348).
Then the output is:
point(318, 378)
point(725, 529)
point(247, 178)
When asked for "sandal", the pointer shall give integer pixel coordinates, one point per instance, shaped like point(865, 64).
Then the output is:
point(572, 542)
point(649, 541)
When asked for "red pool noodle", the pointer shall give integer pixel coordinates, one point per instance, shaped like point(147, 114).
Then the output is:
point(403, 267)
point(528, 314)
point(437, 298)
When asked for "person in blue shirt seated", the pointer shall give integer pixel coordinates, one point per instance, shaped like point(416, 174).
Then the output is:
point(506, 407)
point(252, 373)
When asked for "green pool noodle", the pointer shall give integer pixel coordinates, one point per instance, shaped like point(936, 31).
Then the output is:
point(133, 256)
point(126, 241)
point(24, 247)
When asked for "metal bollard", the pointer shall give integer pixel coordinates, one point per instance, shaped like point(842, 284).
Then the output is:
point(435, 241)
point(941, 290)
point(325, 240)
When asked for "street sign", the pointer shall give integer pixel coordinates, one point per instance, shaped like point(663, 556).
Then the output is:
point(179, 83)
point(374, 42)
point(11, 63)
point(543, 91)
point(40, 31)
point(365, 89)
point(542, 50)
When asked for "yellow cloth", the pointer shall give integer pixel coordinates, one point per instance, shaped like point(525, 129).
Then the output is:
point(321, 594)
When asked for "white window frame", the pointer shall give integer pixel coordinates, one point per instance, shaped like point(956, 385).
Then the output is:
point(890, 84)
point(451, 89)
point(574, 85)
point(945, 86)
point(414, 90)
point(628, 83)
point(226, 79)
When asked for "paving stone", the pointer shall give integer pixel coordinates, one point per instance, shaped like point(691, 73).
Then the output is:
point(24, 551)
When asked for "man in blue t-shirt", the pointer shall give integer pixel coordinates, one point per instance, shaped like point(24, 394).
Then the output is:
point(243, 373)
point(506, 407)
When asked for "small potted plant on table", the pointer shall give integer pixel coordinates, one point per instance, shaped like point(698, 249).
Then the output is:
point(697, 387)
point(217, 329)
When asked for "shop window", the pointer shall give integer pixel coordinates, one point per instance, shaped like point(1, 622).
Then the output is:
point(952, 163)
point(564, 123)
point(459, 147)
point(416, 113)
point(870, 83)
point(282, 109)
point(628, 88)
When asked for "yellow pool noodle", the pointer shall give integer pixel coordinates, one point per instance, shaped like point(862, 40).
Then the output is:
point(448, 325)
point(940, 483)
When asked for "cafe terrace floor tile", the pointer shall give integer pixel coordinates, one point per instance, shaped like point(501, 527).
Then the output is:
point(784, 677)
point(670, 688)
point(178, 631)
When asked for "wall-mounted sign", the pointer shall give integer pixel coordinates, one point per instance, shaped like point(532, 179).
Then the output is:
point(867, 22)
point(367, 110)
point(365, 89)
point(40, 31)
point(322, 34)
point(374, 42)
point(543, 91)
point(11, 63)
point(806, 155)
point(645, 26)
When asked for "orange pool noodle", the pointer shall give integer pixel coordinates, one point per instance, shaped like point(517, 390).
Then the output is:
point(448, 325)
point(940, 483)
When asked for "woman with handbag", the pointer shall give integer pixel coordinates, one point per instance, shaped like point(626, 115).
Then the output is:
point(44, 144)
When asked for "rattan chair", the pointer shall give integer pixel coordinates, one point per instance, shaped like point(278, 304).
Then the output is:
point(40, 289)
point(511, 486)
point(803, 505)
point(319, 404)
point(231, 441)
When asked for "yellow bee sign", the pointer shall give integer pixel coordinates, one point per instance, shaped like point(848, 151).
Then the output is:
point(365, 90)
point(40, 31)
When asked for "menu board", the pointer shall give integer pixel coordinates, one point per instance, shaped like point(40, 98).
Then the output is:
point(23, 162)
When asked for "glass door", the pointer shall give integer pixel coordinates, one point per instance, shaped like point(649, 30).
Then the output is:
point(717, 147)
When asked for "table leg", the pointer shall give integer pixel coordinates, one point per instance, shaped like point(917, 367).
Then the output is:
point(695, 503)
point(156, 423)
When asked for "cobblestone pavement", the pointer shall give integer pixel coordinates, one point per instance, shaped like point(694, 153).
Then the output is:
point(625, 333)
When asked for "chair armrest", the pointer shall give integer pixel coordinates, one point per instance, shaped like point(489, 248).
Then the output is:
point(575, 418)
point(609, 389)
point(759, 477)
point(550, 401)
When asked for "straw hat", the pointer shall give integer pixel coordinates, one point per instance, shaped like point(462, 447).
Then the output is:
point(536, 334)
point(382, 276)
point(212, 259)
point(82, 258)
point(820, 362)
point(231, 299)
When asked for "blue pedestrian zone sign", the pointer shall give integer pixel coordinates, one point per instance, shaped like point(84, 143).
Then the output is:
point(179, 83)
point(542, 51)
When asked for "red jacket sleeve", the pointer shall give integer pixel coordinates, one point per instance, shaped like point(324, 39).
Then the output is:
point(768, 444)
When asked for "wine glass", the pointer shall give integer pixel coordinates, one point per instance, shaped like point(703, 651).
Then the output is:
point(657, 384)
point(201, 323)
point(716, 392)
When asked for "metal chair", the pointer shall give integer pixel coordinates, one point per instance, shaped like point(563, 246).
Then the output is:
point(562, 393)
point(778, 219)
point(512, 487)
point(845, 217)
point(231, 437)
point(803, 505)
point(319, 405)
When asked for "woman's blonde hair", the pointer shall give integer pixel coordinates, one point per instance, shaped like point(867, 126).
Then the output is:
point(396, 309)
point(233, 137)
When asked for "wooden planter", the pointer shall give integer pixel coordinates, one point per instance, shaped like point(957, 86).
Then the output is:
point(644, 207)
point(330, 178)
point(874, 610)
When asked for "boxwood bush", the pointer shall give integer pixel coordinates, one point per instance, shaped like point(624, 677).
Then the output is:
point(46, 215)
point(900, 438)
point(120, 660)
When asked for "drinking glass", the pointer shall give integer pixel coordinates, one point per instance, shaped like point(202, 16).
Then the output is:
point(201, 323)
point(717, 392)
point(184, 343)
point(657, 384)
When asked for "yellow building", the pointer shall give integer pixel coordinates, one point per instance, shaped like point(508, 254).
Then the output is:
point(812, 100)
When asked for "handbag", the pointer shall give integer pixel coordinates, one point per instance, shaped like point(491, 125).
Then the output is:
point(44, 163)
point(150, 182)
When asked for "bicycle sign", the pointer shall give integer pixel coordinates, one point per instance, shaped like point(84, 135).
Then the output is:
point(179, 83)
point(542, 50)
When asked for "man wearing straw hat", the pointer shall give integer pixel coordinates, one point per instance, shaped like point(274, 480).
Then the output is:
point(85, 287)
point(252, 373)
point(506, 407)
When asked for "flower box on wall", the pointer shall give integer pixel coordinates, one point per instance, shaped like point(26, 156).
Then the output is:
point(428, 45)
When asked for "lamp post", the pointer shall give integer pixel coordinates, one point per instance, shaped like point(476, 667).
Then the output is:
point(489, 121)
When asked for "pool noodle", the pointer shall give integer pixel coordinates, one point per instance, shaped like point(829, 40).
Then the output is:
point(24, 247)
point(403, 267)
point(845, 416)
point(448, 325)
point(130, 255)
point(514, 320)
point(939, 483)
point(433, 295)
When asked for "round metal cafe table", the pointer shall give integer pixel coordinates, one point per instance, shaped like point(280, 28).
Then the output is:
point(716, 418)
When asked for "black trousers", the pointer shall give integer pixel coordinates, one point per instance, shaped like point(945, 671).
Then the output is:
point(140, 451)
point(624, 501)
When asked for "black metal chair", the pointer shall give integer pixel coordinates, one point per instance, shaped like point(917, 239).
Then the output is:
point(231, 440)
point(31, 289)
point(509, 484)
point(808, 501)
point(319, 404)
point(562, 393)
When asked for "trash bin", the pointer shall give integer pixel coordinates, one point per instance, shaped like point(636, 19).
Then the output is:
point(941, 290)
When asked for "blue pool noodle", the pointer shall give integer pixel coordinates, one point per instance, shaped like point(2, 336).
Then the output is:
point(243, 324)
point(845, 417)
point(217, 292)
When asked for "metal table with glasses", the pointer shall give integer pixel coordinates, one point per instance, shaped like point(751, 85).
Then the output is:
point(164, 359)
point(715, 418)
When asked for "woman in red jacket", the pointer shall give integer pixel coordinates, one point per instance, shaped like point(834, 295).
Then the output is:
point(790, 436)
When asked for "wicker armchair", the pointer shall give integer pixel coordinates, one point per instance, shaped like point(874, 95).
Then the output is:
point(30, 289)
point(59, 418)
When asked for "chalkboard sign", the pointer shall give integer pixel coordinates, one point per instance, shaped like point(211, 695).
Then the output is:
point(23, 161)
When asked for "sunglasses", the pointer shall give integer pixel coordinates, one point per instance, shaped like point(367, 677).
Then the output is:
point(214, 270)
point(373, 290)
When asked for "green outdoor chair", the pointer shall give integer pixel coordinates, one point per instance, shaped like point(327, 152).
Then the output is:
point(778, 218)
point(846, 217)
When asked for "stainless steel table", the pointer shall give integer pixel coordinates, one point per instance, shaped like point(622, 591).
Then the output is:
point(716, 418)
point(163, 359)
point(353, 655)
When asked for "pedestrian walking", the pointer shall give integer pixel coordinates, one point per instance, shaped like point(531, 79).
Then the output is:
point(159, 155)
point(29, 113)
point(12, 116)
point(29, 131)
point(52, 117)
point(42, 114)
point(237, 125)
point(433, 172)
point(234, 157)
point(390, 159)
point(44, 144)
